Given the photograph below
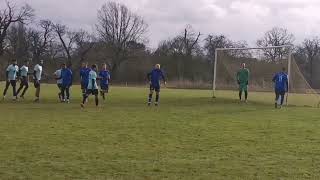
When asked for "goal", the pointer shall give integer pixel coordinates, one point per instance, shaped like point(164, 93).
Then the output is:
point(263, 63)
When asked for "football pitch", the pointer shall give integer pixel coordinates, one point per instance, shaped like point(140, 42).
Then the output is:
point(189, 136)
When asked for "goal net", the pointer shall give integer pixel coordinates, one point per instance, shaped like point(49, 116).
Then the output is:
point(263, 64)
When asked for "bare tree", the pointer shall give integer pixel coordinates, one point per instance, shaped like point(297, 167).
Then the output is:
point(84, 42)
point(41, 38)
point(67, 39)
point(309, 52)
point(11, 14)
point(117, 26)
point(212, 42)
point(276, 37)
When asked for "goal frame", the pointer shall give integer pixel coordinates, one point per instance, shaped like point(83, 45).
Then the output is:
point(251, 48)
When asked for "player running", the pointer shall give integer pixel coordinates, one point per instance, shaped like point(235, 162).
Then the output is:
point(92, 86)
point(104, 76)
point(281, 87)
point(84, 76)
point(243, 81)
point(37, 73)
point(154, 78)
point(24, 84)
point(66, 76)
point(11, 78)
point(57, 75)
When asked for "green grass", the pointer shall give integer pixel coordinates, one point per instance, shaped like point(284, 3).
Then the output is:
point(190, 136)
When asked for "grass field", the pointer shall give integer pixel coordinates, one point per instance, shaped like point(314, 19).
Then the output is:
point(190, 136)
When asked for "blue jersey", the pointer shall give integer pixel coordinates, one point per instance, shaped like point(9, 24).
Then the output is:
point(105, 77)
point(66, 76)
point(84, 75)
point(155, 76)
point(281, 81)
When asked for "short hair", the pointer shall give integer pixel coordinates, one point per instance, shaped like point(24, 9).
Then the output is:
point(14, 60)
point(94, 66)
point(283, 69)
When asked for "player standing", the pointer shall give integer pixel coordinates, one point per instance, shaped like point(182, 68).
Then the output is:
point(104, 76)
point(58, 77)
point(243, 81)
point(84, 76)
point(154, 78)
point(281, 87)
point(37, 73)
point(23, 79)
point(66, 76)
point(11, 77)
point(92, 86)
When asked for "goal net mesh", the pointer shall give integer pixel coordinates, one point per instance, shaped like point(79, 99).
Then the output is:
point(263, 64)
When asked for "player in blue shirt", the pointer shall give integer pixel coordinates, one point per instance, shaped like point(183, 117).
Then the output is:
point(154, 77)
point(84, 77)
point(92, 86)
point(281, 86)
point(66, 76)
point(104, 76)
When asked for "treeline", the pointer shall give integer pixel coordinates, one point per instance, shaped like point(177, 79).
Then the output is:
point(119, 40)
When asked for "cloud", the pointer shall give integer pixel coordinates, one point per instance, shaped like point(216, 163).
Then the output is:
point(239, 19)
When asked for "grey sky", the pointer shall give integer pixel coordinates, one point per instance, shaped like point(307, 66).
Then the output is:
point(238, 19)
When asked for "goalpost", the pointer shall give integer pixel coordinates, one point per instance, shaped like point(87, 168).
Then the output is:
point(227, 63)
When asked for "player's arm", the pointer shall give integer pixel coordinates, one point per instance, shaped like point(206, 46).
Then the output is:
point(274, 78)
point(248, 76)
point(71, 75)
point(287, 84)
point(149, 76)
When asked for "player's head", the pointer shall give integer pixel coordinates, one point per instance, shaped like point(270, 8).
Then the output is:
point(26, 62)
point(243, 65)
point(41, 62)
point(104, 66)
point(94, 67)
point(84, 65)
point(157, 66)
point(63, 66)
point(283, 69)
point(14, 61)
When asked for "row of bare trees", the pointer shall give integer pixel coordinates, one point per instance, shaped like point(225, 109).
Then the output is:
point(120, 41)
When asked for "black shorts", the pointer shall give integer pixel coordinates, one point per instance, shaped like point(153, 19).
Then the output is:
point(24, 81)
point(12, 82)
point(92, 91)
point(280, 92)
point(59, 86)
point(154, 88)
point(84, 85)
point(104, 87)
point(36, 83)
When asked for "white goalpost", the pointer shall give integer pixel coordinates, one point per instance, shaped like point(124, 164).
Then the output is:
point(231, 64)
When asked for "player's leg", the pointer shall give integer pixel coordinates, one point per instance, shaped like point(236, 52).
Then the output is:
point(157, 89)
point(68, 94)
point(63, 97)
point(102, 93)
point(6, 89)
point(60, 90)
point(37, 94)
point(240, 92)
point(282, 95)
point(150, 95)
point(21, 86)
point(85, 97)
point(246, 92)
point(276, 99)
point(14, 89)
point(26, 86)
point(96, 95)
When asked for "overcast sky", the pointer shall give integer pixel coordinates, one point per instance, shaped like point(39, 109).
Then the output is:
point(238, 19)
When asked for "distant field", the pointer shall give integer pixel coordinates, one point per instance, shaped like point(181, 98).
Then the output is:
point(190, 136)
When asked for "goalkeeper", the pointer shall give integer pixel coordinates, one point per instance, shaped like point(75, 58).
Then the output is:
point(243, 81)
